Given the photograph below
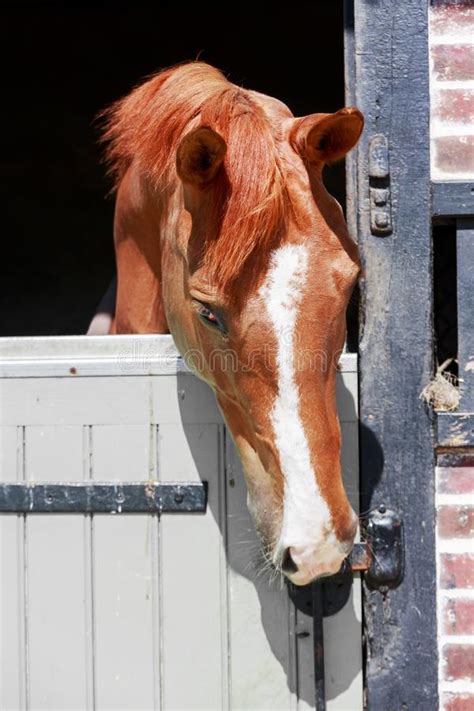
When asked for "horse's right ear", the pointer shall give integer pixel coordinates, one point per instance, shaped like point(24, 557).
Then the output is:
point(324, 138)
point(200, 155)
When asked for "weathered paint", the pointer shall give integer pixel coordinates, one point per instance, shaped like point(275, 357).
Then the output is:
point(397, 459)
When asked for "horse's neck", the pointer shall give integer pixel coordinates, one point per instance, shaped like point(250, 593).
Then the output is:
point(138, 220)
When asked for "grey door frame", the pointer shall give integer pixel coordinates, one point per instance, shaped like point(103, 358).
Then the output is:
point(387, 78)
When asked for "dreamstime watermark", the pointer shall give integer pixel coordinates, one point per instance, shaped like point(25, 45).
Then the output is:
point(150, 358)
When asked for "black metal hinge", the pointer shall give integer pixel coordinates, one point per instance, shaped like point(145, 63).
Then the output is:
point(149, 497)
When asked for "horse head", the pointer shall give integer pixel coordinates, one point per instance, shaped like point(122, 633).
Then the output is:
point(257, 268)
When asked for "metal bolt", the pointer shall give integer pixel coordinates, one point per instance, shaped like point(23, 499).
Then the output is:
point(380, 197)
point(382, 508)
point(381, 220)
point(179, 497)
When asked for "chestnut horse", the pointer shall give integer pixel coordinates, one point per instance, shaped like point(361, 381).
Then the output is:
point(226, 237)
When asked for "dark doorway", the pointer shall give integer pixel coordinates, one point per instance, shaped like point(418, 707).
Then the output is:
point(62, 65)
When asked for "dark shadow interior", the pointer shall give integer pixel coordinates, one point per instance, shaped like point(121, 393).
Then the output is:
point(445, 295)
point(62, 65)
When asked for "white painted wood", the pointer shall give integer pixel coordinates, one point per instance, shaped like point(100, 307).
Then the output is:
point(12, 589)
point(69, 356)
point(10, 453)
point(127, 662)
point(261, 629)
point(66, 356)
point(55, 578)
point(78, 401)
point(183, 399)
point(343, 631)
point(105, 401)
point(132, 613)
point(347, 395)
point(193, 572)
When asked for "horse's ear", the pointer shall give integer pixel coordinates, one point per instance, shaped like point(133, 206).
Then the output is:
point(323, 138)
point(199, 156)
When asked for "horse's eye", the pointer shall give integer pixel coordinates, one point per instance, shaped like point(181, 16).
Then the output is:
point(206, 313)
point(209, 316)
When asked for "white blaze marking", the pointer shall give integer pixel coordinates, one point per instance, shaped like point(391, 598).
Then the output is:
point(306, 514)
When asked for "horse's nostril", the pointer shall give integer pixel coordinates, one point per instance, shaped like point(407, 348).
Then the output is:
point(288, 565)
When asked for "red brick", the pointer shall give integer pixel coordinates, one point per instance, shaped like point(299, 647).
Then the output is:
point(458, 661)
point(452, 19)
point(454, 105)
point(455, 480)
point(455, 154)
point(458, 702)
point(458, 616)
point(456, 521)
point(453, 62)
point(457, 570)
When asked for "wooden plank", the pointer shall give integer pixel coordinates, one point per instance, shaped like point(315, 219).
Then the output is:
point(63, 401)
point(72, 356)
point(122, 561)
point(10, 454)
point(396, 349)
point(184, 399)
point(13, 673)
point(347, 397)
point(106, 401)
point(455, 429)
point(262, 649)
point(343, 655)
point(343, 631)
point(125, 583)
point(56, 611)
point(452, 198)
point(66, 356)
point(193, 573)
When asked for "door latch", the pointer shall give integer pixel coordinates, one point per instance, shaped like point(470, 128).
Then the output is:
point(379, 186)
point(380, 556)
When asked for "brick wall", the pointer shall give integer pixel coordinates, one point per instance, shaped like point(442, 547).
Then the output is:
point(452, 158)
point(455, 539)
point(452, 90)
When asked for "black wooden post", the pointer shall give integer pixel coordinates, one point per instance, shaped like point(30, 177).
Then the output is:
point(396, 346)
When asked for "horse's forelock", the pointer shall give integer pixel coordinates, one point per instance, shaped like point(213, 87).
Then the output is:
point(250, 203)
point(255, 208)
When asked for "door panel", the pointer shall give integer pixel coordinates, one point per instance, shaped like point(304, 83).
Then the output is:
point(136, 612)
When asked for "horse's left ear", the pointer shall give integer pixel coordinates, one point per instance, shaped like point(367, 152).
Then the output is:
point(199, 156)
point(323, 138)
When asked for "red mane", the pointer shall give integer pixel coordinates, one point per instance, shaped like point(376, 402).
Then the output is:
point(147, 125)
